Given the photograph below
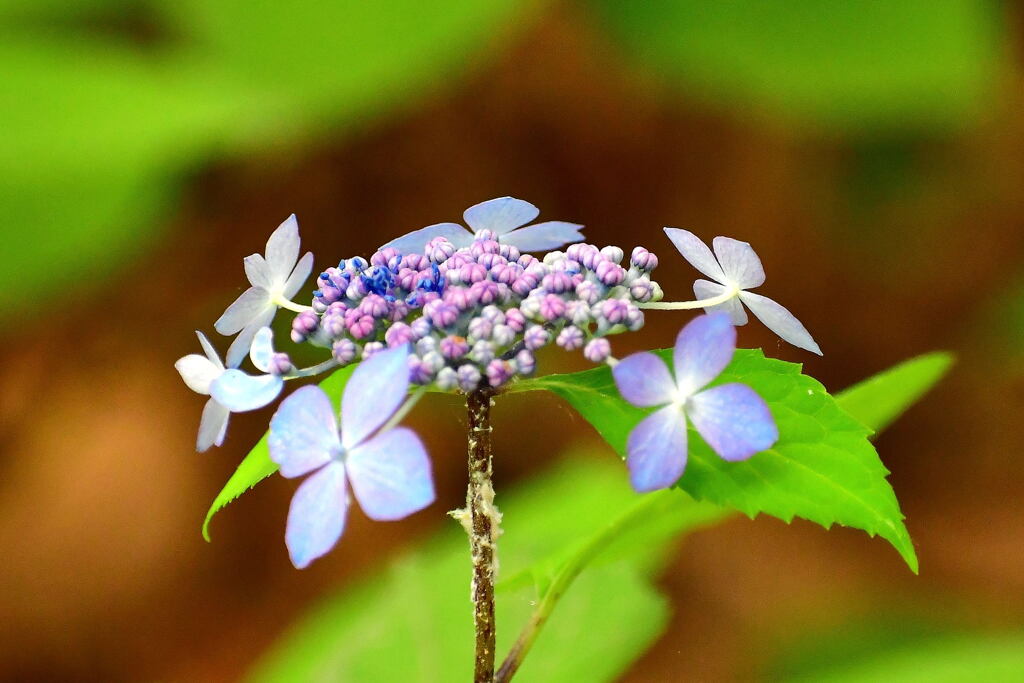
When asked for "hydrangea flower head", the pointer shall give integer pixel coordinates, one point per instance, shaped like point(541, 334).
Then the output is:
point(387, 469)
point(731, 418)
point(275, 279)
point(500, 219)
point(230, 390)
point(735, 268)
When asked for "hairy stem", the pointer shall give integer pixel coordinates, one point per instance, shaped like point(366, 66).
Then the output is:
point(482, 522)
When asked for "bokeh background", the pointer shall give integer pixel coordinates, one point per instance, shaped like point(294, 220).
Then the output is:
point(873, 152)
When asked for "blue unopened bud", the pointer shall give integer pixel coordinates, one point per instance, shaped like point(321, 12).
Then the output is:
point(535, 337)
point(371, 348)
point(597, 350)
point(641, 289)
point(526, 363)
point(482, 352)
point(447, 379)
point(469, 377)
point(502, 335)
point(344, 351)
point(570, 338)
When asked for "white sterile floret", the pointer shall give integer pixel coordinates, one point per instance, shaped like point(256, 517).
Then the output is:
point(230, 390)
point(735, 268)
point(275, 279)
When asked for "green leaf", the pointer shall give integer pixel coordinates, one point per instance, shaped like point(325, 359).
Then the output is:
point(823, 468)
point(413, 622)
point(257, 465)
point(942, 660)
point(879, 400)
point(99, 132)
point(840, 64)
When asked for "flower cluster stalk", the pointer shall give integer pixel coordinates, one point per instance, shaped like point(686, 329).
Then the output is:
point(483, 526)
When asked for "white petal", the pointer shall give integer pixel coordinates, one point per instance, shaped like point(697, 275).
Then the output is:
point(239, 348)
point(780, 321)
point(416, 241)
point(500, 215)
point(316, 516)
point(245, 309)
point(198, 372)
point(374, 392)
point(211, 352)
point(262, 349)
point(390, 475)
point(705, 289)
point(239, 392)
point(257, 271)
point(740, 262)
point(213, 426)
point(303, 432)
point(697, 253)
point(283, 250)
point(544, 236)
point(299, 276)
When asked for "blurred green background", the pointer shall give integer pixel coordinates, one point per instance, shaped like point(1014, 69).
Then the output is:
point(872, 152)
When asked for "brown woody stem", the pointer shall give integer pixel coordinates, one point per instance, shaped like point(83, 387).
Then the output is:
point(482, 522)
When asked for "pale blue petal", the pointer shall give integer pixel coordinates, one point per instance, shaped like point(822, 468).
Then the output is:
point(374, 392)
point(239, 348)
point(390, 475)
point(734, 420)
point(544, 236)
point(239, 392)
point(780, 321)
point(211, 352)
point(705, 289)
point(643, 379)
point(246, 308)
point(299, 276)
point(283, 250)
point(740, 262)
point(316, 516)
point(262, 350)
point(197, 372)
point(213, 426)
point(416, 241)
point(500, 215)
point(257, 271)
point(703, 348)
point(696, 252)
point(656, 450)
point(303, 432)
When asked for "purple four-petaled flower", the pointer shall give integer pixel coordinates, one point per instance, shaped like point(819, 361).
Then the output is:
point(388, 468)
point(732, 418)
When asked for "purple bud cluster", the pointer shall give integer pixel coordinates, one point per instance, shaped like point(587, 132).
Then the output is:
point(475, 316)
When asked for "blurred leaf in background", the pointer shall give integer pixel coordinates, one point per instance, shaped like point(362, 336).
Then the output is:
point(899, 648)
point(414, 623)
point(839, 65)
point(99, 120)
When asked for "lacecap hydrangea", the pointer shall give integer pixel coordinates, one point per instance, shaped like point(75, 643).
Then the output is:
point(462, 310)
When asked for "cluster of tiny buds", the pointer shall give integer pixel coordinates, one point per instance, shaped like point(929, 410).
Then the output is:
point(475, 316)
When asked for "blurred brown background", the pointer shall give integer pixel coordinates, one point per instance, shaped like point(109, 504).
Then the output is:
point(886, 242)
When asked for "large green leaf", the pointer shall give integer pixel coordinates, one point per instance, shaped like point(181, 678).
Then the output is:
point(414, 623)
point(823, 468)
point(863, 401)
point(840, 64)
point(882, 398)
point(257, 465)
